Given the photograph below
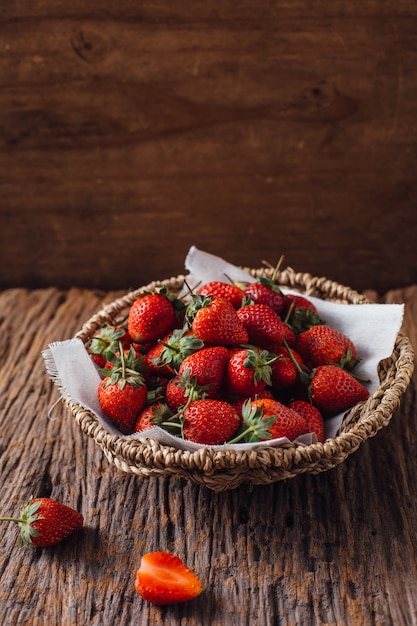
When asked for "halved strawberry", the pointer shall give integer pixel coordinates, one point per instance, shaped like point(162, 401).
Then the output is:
point(163, 578)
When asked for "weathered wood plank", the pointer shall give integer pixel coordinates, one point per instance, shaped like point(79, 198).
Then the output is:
point(336, 548)
point(128, 134)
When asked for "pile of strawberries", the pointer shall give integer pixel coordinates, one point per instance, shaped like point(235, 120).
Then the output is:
point(232, 362)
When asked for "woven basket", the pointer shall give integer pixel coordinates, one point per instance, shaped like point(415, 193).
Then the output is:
point(222, 470)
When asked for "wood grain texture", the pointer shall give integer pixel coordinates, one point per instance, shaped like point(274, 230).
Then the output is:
point(128, 133)
point(337, 548)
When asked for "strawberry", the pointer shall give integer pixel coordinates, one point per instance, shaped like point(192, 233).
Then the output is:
point(214, 320)
point(296, 301)
point(315, 421)
point(266, 291)
point(210, 422)
point(283, 333)
point(248, 370)
point(154, 414)
point(163, 578)
point(168, 353)
point(323, 345)
point(288, 423)
point(106, 342)
point(238, 401)
point(300, 313)
point(150, 317)
point(208, 367)
point(284, 371)
point(123, 393)
point(44, 522)
point(228, 291)
point(183, 389)
point(262, 323)
point(333, 389)
point(267, 418)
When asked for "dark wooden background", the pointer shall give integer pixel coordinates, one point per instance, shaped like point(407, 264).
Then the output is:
point(131, 130)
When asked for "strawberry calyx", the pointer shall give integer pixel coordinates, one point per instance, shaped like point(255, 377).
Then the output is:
point(177, 347)
point(106, 342)
point(348, 362)
point(299, 319)
point(197, 302)
point(260, 362)
point(255, 427)
point(27, 518)
point(125, 368)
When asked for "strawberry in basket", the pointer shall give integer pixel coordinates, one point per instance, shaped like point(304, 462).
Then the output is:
point(237, 369)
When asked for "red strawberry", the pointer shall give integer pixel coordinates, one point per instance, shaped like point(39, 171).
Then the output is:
point(106, 342)
point(333, 389)
point(210, 422)
point(228, 291)
point(269, 419)
point(284, 372)
point(123, 393)
point(315, 421)
point(214, 320)
point(239, 401)
point(208, 367)
point(163, 578)
point(168, 353)
point(248, 371)
point(323, 345)
point(153, 415)
point(288, 423)
point(44, 522)
point(284, 333)
point(182, 390)
point(294, 302)
point(151, 316)
point(300, 313)
point(266, 291)
point(263, 325)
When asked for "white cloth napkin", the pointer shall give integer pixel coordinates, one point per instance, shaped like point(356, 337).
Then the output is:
point(373, 328)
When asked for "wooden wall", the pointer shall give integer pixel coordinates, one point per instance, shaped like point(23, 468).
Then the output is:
point(131, 130)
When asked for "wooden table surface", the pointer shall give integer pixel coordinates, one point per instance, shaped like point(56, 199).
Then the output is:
point(336, 548)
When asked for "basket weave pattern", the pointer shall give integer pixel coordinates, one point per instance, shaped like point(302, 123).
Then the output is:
point(221, 470)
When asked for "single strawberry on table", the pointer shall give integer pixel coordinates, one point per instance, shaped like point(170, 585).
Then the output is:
point(45, 522)
point(163, 578)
